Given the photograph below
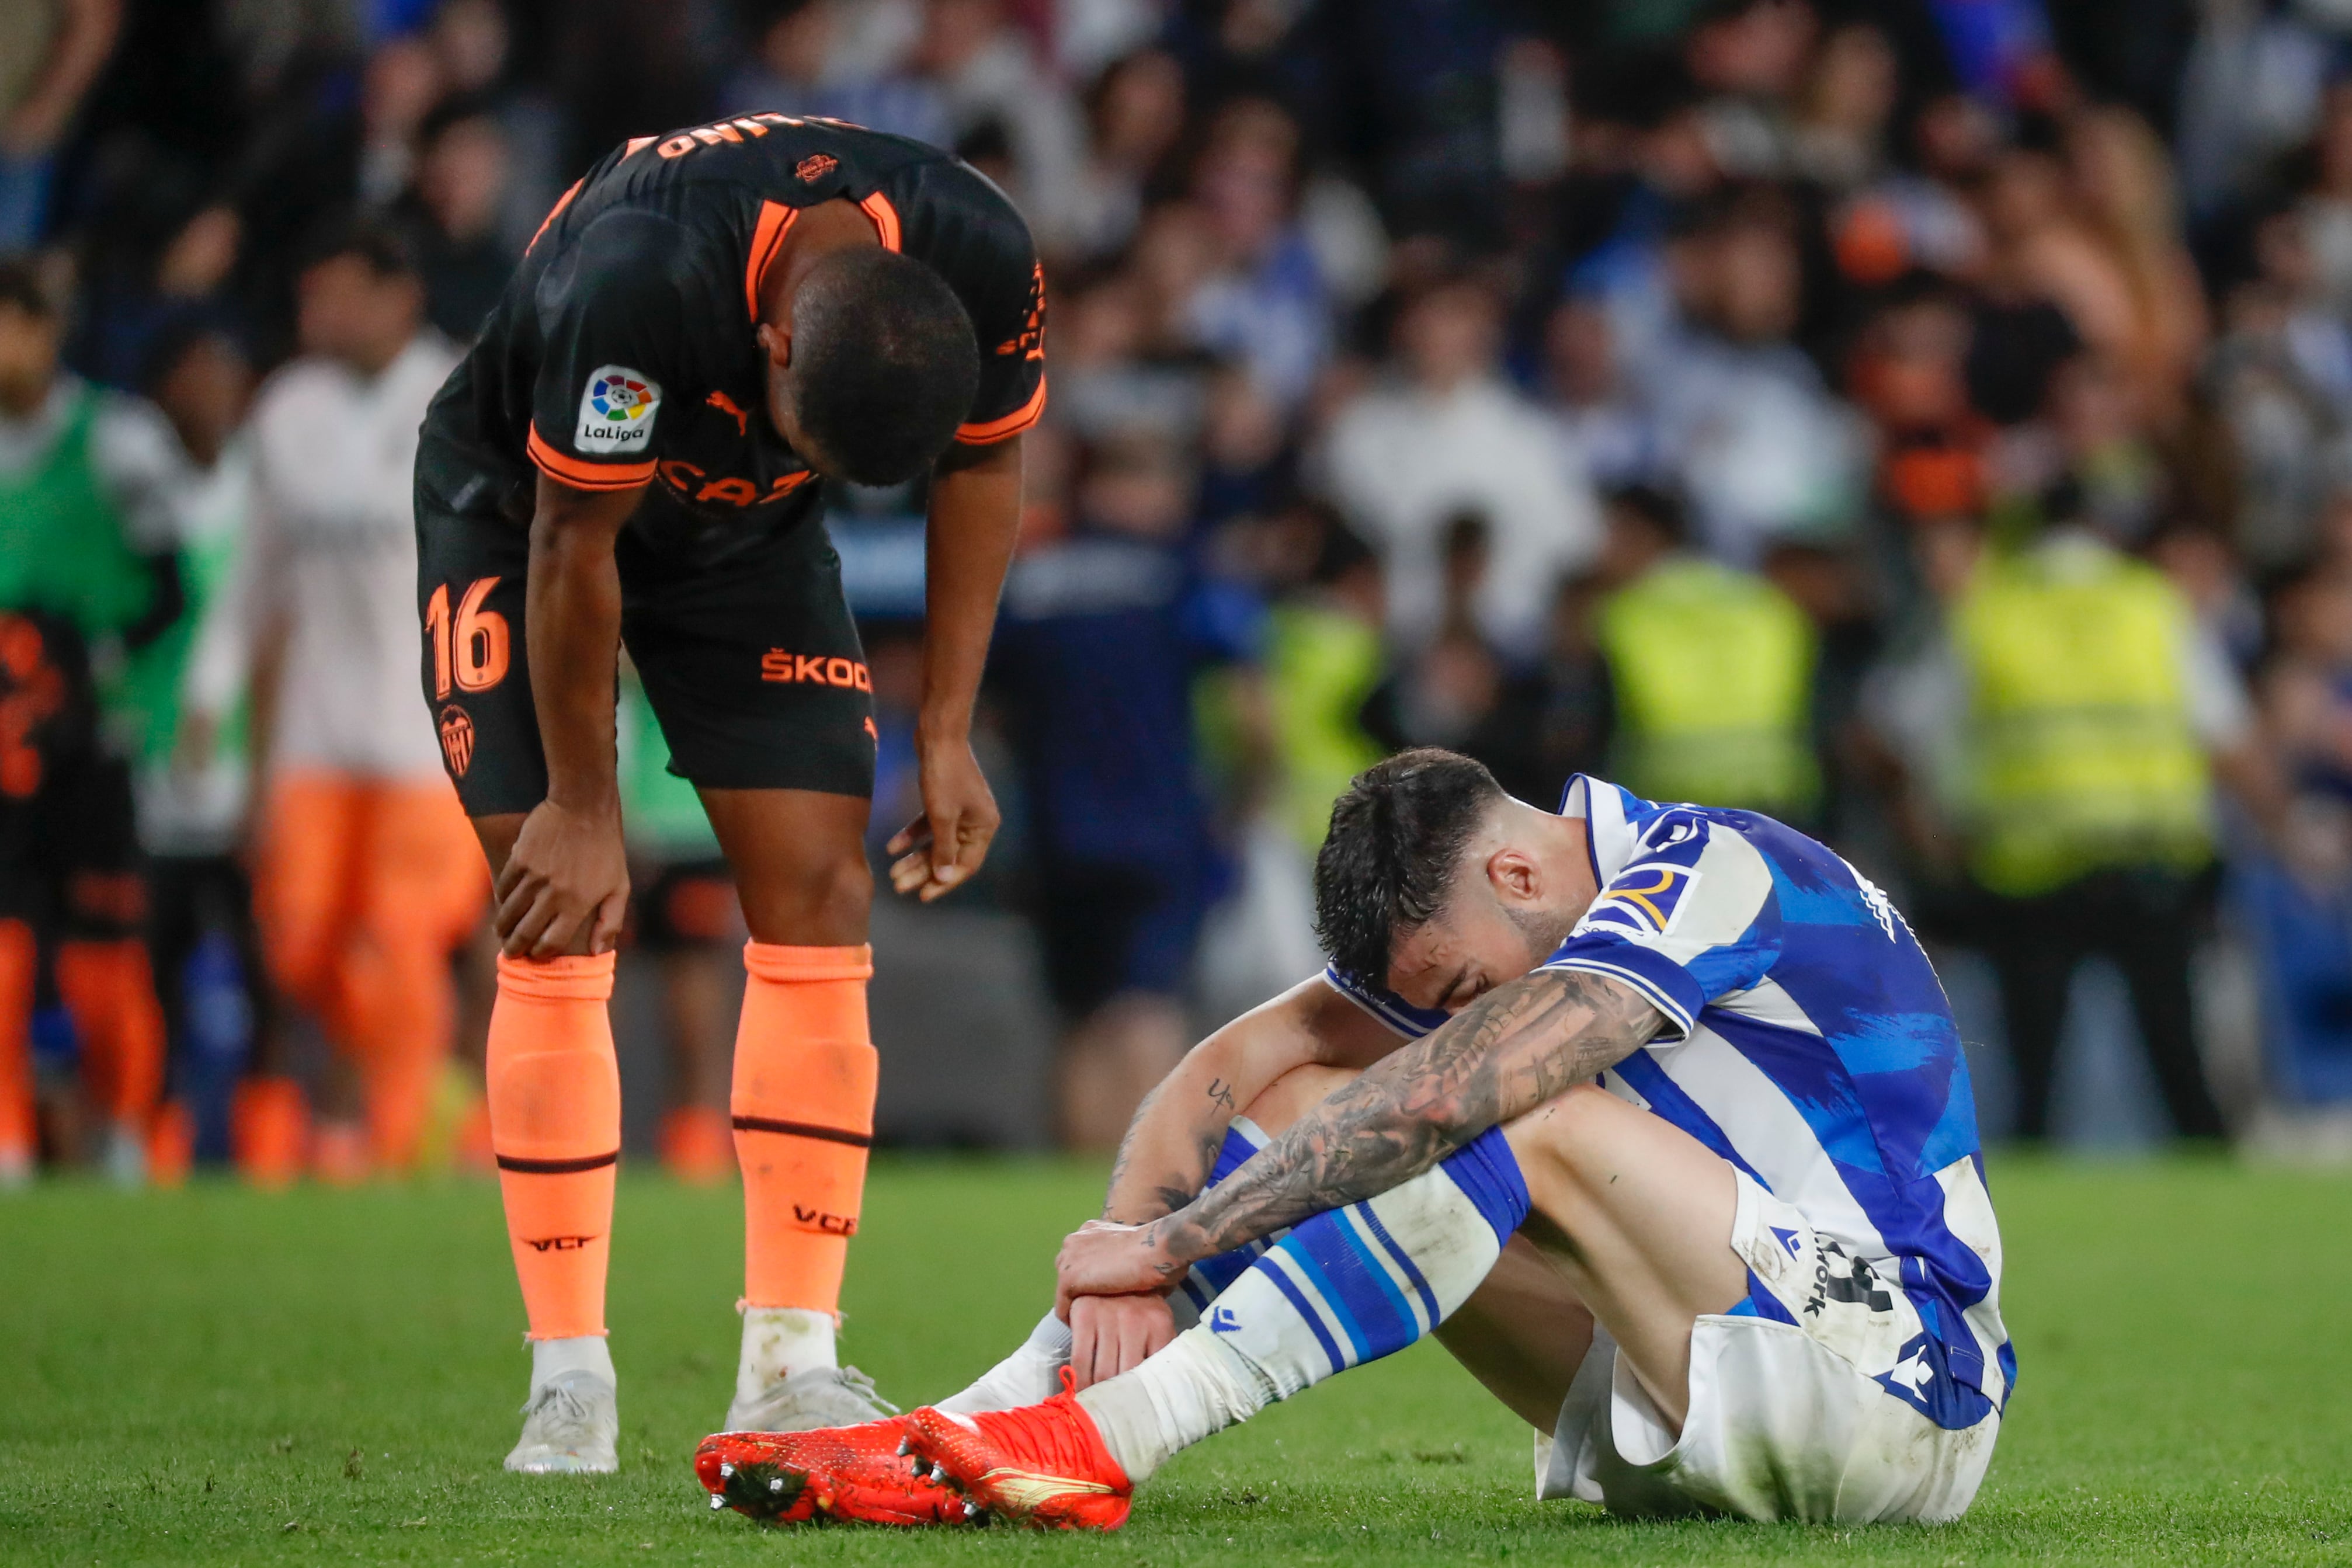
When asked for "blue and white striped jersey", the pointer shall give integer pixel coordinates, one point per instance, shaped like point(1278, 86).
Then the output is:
point(1809, 1043)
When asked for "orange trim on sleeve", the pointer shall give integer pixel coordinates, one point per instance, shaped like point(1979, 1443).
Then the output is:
point(638, 145)
point(767, 238)
point(1013, 423)
point(555, 211)
point(586, 476)
point(885, 217)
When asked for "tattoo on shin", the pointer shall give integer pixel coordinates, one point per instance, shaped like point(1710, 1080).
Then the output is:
point(1507, 1053)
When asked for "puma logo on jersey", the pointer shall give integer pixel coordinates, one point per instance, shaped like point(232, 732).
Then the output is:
point(726, 405)
point(815, 167)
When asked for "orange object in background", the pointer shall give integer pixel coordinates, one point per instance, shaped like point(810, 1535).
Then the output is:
point(109, 989)
point(171, 1145)
point(18, 1127)
point(269, 1132)
point(362, 889)
point(698, 1145)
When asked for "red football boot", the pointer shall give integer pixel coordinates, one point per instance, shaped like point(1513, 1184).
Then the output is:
point(1042, 1465)
point(840, 1472)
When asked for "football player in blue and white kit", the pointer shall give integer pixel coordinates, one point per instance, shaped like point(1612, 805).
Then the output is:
point(1654, 1114)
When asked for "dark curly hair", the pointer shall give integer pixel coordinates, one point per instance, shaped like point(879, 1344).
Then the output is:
point(1397, 837)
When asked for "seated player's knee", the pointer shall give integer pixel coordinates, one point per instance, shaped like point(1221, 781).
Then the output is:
point(1567, 1145)
point(1290, 1096)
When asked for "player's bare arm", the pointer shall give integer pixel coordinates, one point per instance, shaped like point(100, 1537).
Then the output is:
point(975, 515)
point(1522, 1044)
point(1171, 1145)
point(565, 883)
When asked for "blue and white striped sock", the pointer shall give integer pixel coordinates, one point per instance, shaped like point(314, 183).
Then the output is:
point(1339, 1290)
point(1034, 1371)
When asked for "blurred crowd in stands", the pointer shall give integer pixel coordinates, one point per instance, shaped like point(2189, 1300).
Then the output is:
point(1928, 422)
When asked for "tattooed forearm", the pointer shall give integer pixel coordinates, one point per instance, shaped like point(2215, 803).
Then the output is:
point(1501, 1057)
point(1169, 1189)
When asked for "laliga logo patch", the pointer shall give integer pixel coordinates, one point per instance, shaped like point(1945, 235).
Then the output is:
point(1644, 899)
point(617, 412)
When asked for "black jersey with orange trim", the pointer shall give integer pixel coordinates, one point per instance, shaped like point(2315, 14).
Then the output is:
point(623, 352)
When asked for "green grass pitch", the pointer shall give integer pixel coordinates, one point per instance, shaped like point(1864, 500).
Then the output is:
point(217, 1376)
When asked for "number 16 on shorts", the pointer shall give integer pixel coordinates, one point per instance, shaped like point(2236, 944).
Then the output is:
point(471, 649)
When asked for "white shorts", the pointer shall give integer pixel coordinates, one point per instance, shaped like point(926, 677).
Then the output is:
point(1782, 1425)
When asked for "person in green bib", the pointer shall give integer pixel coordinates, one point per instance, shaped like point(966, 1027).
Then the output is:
point(1711, 669)
point(2067, 731)
point(87, 538)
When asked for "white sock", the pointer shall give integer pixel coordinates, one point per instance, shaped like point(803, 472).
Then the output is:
point(1343, 1287)
point(550, 1358)
point(779, 1342)
point(1194, 1387)
point(1031, 1373)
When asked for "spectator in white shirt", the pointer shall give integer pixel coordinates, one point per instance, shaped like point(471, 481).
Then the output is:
point(1448, 435)
point(366, 876)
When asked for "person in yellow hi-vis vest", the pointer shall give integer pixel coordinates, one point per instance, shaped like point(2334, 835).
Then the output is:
point(2079, 718)
point(1711, 669)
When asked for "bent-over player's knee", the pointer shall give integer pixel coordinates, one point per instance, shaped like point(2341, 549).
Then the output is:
point(1292, 1094)
point(818, 898)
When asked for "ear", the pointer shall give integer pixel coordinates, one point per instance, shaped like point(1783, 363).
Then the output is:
point(778, 342)
point(1514, 876)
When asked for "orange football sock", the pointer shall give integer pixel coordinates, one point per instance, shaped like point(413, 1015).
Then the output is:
point(18, 961)
point(109, 991)
point(555, 1127)
point(803, 1110)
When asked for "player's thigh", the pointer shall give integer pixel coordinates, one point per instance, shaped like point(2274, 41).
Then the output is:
point(754, 670)
point(1637, 1216)
point(474, 659)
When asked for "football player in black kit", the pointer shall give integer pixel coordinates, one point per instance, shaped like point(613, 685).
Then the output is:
point(709, 325)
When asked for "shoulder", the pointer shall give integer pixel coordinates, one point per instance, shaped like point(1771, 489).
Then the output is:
point(1694, 873)
point(624, 251)
point(131, 430)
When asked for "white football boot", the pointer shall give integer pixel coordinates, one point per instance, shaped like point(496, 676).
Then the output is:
point(573, 1418)
point(569, 1428)
point(806, 1401)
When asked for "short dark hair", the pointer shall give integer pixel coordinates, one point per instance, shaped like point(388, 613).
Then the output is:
point(382, 248)
point(1397, 837)
point(885, 363)
point(1659, 508)
point(20, 289)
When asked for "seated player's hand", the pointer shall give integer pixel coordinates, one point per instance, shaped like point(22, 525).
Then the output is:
point(1111, 1334)
point(565, 886)
point(941, 850)
point(1104, 1258)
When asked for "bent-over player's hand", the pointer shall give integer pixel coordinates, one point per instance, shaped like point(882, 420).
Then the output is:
point(565, 886)
point(1111, 1334)
point(1102, 1258)
point(939, 851)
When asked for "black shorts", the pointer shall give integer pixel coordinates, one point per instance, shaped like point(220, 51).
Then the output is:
point(752, 665)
